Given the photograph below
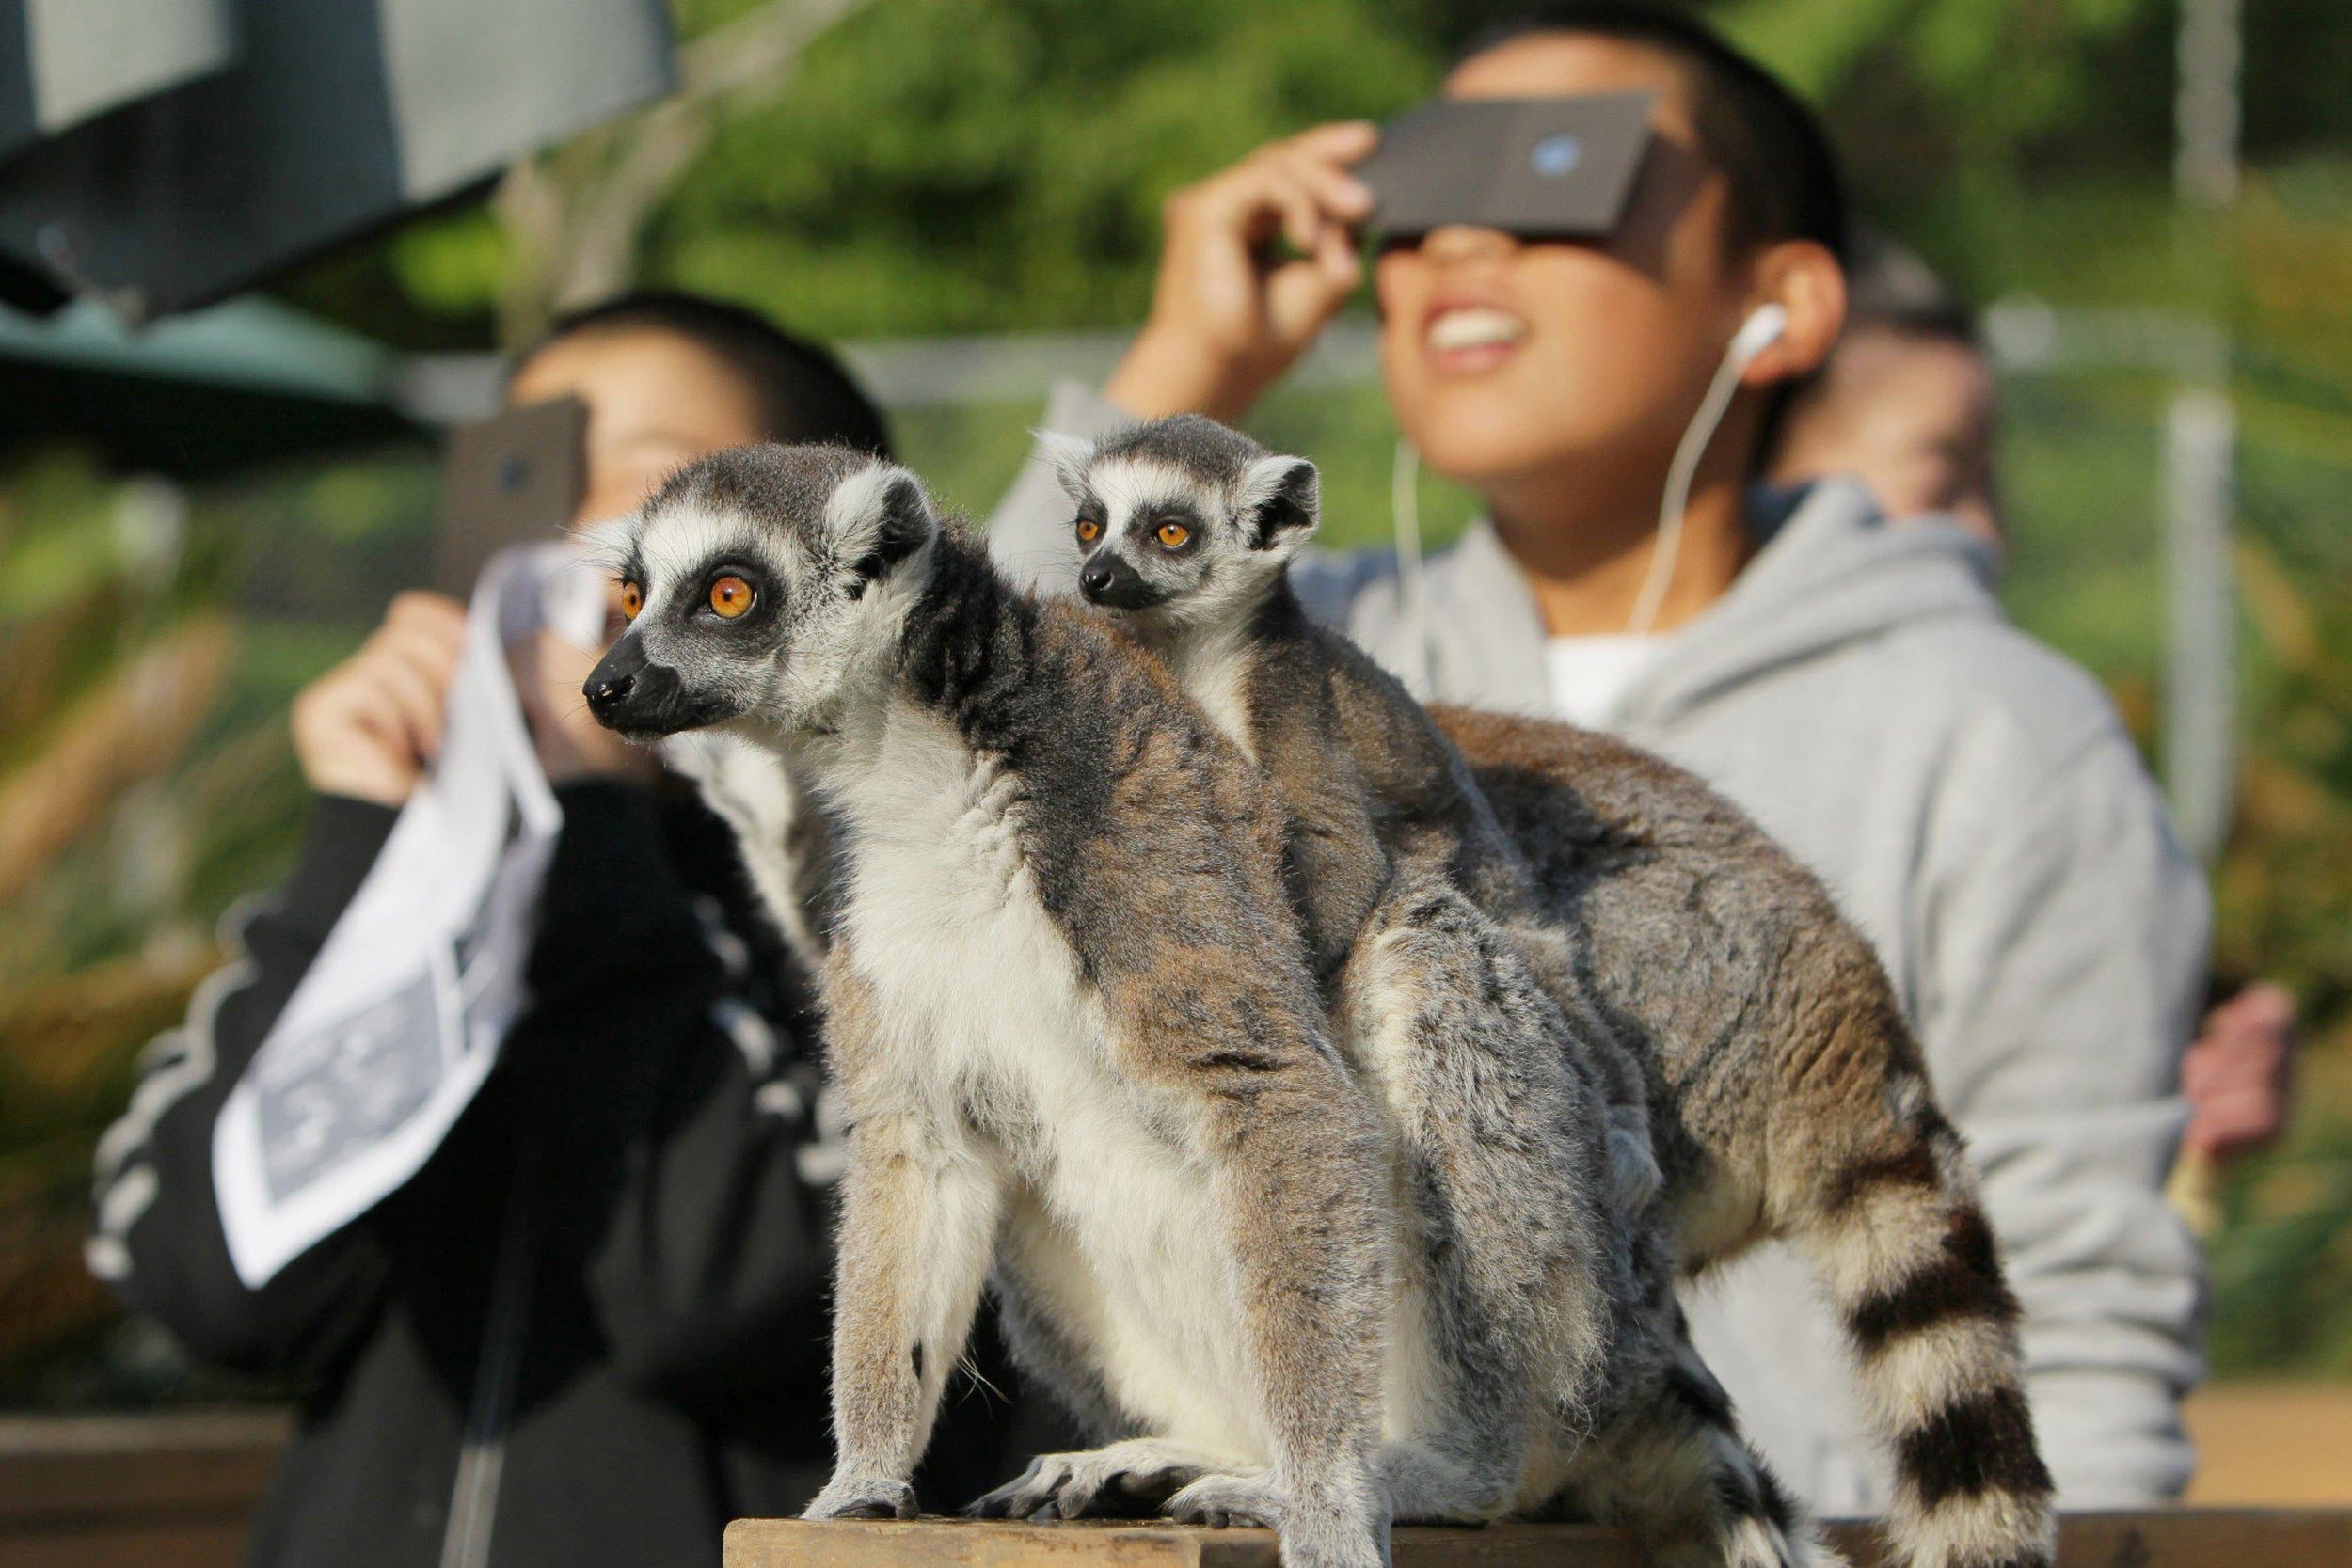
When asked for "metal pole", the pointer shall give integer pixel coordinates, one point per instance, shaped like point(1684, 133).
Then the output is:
point(2200, 444)
point(2201, 616)
point(2208, 54)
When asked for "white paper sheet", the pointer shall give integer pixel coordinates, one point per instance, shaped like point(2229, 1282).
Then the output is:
point(399, 1019)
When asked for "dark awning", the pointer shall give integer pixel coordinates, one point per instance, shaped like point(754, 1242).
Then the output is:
point(332, 118)
point(62, 62)
point(244, 382)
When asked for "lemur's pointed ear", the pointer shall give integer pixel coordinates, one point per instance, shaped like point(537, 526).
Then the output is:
point(1282, 498)
point(1068, 456)
point(876, 518)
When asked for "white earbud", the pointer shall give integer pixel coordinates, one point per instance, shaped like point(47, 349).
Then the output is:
point(1760, 332)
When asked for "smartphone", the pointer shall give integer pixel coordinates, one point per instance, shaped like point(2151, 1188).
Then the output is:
point(1538, 168)
point(512, 479)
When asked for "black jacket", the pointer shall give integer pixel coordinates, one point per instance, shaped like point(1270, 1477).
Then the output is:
point(650, 1159)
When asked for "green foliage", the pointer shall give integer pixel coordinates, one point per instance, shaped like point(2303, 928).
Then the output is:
point(945, 166)
point(453, 265)
point(2282, 1264)
point(158, 810)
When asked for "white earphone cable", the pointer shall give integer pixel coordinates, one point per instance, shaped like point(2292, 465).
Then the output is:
point(1757, 333)
point(1411, 583)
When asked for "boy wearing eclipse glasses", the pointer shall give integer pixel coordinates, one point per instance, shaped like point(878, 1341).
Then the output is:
point(1600, 258)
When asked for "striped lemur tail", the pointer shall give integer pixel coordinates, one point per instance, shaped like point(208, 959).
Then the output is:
point(1900, 1241)
point(1672, 1467)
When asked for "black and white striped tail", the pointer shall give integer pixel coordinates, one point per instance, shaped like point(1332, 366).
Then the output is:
point(1909, 1260)
point(1754, 1523)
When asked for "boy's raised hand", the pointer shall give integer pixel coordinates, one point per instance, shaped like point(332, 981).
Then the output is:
point(1227, 317)
point(369, 727)
point(372, 725)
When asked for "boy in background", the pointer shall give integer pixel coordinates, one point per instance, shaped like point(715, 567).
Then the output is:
point(1968, 795)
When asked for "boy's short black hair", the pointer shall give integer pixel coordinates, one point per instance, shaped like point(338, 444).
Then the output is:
point(1784, 174)
point(801, 389)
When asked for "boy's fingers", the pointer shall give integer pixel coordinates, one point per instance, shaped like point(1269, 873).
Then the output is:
point(2237, 1120)
point(415, 697)
point(1343, 140)
point(1336, 258)
point(434, 655)
point(428, 640)
point(1302, 298)
point(1250, 203)
point(432, 613)
point(372, 712)
point(1335, 190)
point(1304, 221)
point(1305, 192)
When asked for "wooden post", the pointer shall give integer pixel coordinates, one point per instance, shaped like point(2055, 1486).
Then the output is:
point(133, 1491)
point(2170, 1537)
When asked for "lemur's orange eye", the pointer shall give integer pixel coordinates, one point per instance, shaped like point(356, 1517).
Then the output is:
point(730, 596)
point(1089, 530)
point(1172, 535)
point(632, 600)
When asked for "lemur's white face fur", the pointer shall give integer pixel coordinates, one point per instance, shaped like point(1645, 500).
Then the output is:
point(760, 583)
point(1182, 522)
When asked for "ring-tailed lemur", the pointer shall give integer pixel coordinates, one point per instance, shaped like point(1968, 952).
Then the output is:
point(1066, 1001)
point(1069, 1005)
point(1789, 1098)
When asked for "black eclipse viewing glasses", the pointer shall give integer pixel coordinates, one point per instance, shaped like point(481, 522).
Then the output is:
point(1536, 167)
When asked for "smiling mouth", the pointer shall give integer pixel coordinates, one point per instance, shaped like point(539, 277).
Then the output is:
point(1473, 334)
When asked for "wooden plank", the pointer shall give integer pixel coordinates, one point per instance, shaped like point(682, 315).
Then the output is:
point(216, 1545)
point(2271, 1444)
point(2209, 1538)
point(2179, 1538)
point(964, 1543)
point(134, 1492)
point(967, 1544)
point(61, 1472)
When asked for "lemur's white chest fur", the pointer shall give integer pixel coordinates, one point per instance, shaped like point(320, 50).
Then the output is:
point(755, 793)
point(997, 1046)
point(1214, 670)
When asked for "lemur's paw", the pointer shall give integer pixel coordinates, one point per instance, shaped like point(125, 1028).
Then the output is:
point(1128, 1481)
point(1329, 1528)
point(1230, 1501)
point(1424, 1487)
point(1346, 1529)
point(862, 1498)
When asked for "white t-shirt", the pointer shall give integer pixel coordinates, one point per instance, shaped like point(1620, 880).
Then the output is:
point(1590, 673)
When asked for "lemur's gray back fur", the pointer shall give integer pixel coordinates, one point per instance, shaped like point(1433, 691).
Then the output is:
point(1789, 1096)
point(1393, 848)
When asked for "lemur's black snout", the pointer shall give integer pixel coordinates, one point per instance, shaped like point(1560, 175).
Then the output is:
point(1109, 581)
point(628, 692)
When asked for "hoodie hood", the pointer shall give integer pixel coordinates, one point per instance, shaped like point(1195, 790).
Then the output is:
point(1832, 571)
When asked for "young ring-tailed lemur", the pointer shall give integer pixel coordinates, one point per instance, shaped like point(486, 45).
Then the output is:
point(1789, 1098)
point(1071, 1010)
point(1381, 864)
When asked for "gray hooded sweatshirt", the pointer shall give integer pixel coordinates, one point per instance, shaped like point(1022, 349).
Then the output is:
point(1972, 801)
